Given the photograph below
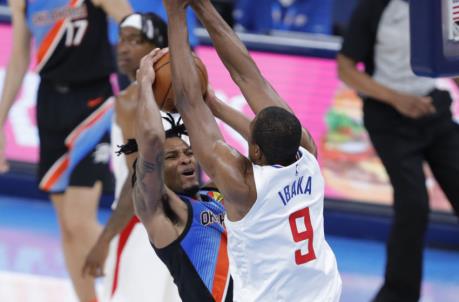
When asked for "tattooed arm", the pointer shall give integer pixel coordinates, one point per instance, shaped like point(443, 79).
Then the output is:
point(150, 194)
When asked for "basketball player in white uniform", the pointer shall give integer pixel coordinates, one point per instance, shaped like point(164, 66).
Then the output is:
point(274, 198)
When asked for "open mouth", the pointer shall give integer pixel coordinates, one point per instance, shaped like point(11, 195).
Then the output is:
point(189, 172)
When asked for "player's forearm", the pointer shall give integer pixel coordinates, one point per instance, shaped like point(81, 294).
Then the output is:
point(198, 119)
point(363, 83)
point(232, 117)
point(19, 60)
point(149, 187)
point(121, 215)
point(229, 47)
point(186, 82)
point(245, 73)
point(149, 128)
point(15, 73)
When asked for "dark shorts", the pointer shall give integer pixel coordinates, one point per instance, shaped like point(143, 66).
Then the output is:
point(74, 130)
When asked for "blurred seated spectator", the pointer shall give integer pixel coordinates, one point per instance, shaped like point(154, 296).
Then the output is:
point(313, 16)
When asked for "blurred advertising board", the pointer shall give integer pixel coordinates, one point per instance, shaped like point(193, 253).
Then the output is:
point(330, 110)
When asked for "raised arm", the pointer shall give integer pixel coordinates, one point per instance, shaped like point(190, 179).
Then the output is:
point(150, 193)
point(242, 68)
point(224, 165)
point(233, 53)
point(117, 9)
point(16, 69)
point(230, 116)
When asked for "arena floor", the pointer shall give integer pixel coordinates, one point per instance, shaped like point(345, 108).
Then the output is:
point(32, 265)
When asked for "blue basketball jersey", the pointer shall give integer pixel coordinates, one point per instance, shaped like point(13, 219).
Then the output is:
point(198, 260)
point(71, 40)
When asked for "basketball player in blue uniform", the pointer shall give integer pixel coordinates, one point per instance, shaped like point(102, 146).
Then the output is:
point(184, 223)
point(74, 61)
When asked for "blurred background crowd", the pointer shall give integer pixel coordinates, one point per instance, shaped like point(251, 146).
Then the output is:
point(326, 17)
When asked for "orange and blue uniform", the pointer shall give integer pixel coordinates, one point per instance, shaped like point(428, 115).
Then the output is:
point(198, 260)
point(74, 60)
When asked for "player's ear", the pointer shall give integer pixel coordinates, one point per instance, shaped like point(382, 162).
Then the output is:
point(257, 153)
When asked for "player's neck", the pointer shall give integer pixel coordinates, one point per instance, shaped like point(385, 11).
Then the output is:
point(192, 193)
point(285, 163)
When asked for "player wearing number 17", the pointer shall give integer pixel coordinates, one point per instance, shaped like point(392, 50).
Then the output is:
point(274, 199)
point(74, 60)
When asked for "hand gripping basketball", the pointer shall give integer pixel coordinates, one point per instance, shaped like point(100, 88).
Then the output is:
point(145, 72)
point(162, 86)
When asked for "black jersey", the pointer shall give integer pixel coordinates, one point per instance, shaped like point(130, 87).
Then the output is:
point(198, 260)
point(71, 40)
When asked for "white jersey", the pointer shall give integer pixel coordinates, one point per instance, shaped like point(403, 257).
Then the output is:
point(278, 250)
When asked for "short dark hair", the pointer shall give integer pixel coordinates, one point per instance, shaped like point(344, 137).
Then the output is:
point(278, 134)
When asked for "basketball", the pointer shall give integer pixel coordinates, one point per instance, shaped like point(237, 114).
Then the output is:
point(162, 87)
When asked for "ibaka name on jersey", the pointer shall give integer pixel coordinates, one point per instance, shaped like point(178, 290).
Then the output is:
point(298, 186)
point(47, 17)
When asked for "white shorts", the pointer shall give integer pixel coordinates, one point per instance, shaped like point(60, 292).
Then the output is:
point(134, 272)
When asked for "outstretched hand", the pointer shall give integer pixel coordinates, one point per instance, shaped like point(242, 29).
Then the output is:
point(146, 72)
point(94, 263)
